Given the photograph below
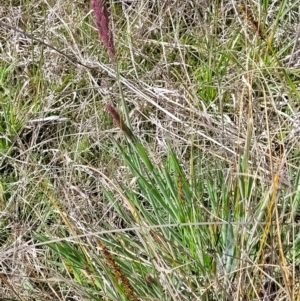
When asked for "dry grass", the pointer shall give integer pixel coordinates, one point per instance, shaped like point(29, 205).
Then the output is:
point(218, 85)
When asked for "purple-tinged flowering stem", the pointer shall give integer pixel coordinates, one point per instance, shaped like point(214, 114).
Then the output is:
point(102, 23)
point(119, 122)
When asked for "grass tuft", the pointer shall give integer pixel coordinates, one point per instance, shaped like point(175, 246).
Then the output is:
point(161, 166)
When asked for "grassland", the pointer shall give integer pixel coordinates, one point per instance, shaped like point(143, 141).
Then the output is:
point(202, 204)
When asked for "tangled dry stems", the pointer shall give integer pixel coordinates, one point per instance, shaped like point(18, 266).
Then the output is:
point(164, 106)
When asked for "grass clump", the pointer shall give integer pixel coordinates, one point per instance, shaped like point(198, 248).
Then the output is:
point(160, 163)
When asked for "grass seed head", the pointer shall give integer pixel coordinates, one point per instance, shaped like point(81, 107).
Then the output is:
point(102, 23)
point(119, 122)
point(114, 115)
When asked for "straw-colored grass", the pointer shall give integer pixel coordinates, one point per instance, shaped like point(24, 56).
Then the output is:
point(201, 202)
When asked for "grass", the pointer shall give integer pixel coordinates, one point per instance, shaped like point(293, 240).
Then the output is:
point(202, 204)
